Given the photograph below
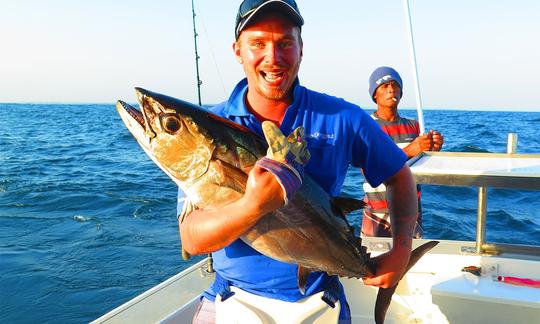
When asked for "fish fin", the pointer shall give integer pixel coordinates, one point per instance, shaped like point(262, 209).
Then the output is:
point(303, 274)
point(185, 254)
point(384, 296)
point(346, 204)
point(233, 177)
point(187, 208)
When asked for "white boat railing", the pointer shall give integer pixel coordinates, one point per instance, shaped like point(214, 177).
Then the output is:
point(482, 170)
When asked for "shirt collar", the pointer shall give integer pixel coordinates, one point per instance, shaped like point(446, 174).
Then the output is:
point(236, 106)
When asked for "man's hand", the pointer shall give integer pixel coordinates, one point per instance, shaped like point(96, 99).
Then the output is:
point(285, 158)
point(291, 150)
point(432, 141)
point(437, 139)
point(390, 268)
point(418, 145)
point(264, 193)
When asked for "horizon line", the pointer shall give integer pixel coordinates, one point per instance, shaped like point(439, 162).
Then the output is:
point(365, 108)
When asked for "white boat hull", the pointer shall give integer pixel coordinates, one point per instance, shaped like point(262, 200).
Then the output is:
point(434, 291)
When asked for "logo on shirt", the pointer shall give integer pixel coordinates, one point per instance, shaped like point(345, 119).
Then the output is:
point(321, 135)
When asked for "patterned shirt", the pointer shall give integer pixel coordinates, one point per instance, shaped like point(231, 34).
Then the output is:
point(376, 220)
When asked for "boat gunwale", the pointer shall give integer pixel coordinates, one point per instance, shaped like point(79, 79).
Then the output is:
point(200, 265)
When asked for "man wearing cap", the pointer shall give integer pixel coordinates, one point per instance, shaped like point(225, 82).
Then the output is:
point(338, 133)
point(386, 90)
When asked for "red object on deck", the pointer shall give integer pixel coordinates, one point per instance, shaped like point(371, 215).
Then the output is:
point(520, 281)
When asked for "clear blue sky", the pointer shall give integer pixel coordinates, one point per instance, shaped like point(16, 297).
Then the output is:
point(481, 54)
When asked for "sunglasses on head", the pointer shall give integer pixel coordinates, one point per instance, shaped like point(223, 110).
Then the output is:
point(250, 5)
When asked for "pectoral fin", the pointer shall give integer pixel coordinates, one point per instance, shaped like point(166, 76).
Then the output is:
point(185, 254)
point(347, 205)
point(303, 274)
point(187, 208)
point(384, 296)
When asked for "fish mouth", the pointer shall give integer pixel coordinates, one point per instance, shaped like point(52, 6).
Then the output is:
point(134, 121)
point(141, 123)
point(133, 112)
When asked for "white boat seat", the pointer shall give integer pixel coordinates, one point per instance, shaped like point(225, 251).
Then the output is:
point(247, 308)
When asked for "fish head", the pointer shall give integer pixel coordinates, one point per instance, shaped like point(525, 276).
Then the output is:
point(172, 134)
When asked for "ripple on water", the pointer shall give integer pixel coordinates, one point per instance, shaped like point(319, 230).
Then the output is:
point(81, 218)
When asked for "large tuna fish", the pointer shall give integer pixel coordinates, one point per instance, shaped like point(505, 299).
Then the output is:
point(209, 158)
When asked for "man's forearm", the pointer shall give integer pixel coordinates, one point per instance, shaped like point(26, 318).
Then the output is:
point(402, 207)
point(205, 231)
point(403, 210)
point(411, 150)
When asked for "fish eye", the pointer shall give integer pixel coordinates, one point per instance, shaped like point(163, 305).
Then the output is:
point(171, 124)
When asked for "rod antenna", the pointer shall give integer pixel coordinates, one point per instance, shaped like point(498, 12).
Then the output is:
point(197, 57)
point(415, 67)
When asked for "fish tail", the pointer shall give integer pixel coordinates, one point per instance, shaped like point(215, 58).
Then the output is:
point(384, 296)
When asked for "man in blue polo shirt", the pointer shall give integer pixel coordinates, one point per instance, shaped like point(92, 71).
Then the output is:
point(269, 47)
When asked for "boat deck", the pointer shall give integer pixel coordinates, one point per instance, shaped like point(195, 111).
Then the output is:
point(435, 290)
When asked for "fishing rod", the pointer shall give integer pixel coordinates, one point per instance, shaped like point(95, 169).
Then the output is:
point(210, 264)
point(197, 57)
point(415, 67)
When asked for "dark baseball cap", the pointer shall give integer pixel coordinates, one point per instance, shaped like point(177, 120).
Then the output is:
point(250, 8)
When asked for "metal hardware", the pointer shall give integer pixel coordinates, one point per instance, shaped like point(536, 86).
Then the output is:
point(481, 220)
point(468, 250)
point(207, 268)
point(511, 146)
point(379, 246)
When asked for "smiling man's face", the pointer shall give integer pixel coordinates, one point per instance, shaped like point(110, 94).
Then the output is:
point(270, 50)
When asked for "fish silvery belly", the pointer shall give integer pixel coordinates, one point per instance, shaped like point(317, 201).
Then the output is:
point(209, 158)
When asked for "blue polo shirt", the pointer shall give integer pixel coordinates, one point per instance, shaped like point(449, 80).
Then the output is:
point(338, 134)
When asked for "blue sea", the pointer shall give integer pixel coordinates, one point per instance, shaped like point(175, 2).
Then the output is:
point(87, 221)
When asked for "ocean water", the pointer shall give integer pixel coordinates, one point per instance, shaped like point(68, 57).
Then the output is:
point(87, 221)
